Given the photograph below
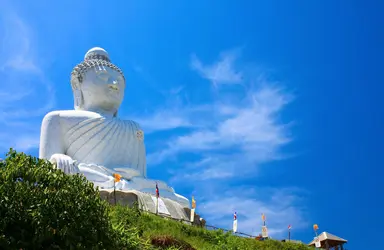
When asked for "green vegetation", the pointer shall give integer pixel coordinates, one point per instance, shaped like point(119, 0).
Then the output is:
point(151, 226)
point(42, 208)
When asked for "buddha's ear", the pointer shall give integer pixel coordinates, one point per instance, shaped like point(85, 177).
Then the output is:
point(78, 98)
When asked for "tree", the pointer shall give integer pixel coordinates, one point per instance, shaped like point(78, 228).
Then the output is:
point(41, 207)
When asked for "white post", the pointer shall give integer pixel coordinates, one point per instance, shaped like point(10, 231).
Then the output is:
point(235, 226)
point(157, 204)
point(192, 215)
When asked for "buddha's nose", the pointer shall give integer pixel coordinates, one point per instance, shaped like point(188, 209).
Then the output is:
point(112, 80)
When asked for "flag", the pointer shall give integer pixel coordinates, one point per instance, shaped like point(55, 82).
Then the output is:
point(315, 227)
point(117, 177)
point(193, 202)
point(235, 222)
point(263, 217)
point(289, 227)
point(157, 191)
point(193, 209)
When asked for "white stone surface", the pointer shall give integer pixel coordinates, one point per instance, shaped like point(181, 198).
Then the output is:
point(93, 141)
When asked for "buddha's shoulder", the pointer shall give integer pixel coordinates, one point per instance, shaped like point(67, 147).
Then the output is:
point(71, 114)
point(132, 123)
point(75, 116)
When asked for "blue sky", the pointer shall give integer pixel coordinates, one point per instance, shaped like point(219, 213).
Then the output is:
point(251, 106)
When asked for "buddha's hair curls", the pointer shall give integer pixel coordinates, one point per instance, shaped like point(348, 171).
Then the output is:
point(92, 60)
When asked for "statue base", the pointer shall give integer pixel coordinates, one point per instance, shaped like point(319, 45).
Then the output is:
point(147, 202)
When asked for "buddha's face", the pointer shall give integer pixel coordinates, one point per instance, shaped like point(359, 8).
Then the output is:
point(103, 88)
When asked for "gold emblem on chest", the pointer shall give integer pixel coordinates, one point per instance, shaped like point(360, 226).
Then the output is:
point(140, 135)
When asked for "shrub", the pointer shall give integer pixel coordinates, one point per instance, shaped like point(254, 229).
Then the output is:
point(41, 207)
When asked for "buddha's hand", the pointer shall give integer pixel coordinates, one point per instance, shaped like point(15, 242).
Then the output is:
point(65, 163)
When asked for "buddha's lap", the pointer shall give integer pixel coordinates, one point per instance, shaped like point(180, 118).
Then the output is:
point(105, 176)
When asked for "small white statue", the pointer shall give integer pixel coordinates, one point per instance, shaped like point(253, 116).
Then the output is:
point(91, 139)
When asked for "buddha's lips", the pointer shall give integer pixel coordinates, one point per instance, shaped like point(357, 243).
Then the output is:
point(113, 87)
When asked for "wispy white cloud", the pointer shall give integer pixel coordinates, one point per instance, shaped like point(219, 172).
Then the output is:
point(282, 207)
point(175, 115)
point(229, 137)
point(164, 120)
point(26, 94)
point(221, 72)
point(245, 133)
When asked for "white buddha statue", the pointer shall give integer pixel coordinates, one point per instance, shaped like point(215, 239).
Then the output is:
point(92, 140)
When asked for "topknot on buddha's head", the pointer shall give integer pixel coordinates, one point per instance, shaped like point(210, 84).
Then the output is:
point(97, 53)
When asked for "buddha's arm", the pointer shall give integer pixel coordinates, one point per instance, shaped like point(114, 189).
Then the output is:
point(143, 164)
point(51, 139)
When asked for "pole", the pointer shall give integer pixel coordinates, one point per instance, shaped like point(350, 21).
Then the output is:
point(157, 204)
point(289, 234)
point(114, 191)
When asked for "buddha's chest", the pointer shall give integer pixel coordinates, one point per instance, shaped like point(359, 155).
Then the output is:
point(104, 141)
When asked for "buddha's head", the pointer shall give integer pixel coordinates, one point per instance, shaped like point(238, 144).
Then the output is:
point(97, 84)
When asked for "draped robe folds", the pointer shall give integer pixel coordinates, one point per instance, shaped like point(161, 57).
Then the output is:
point(105, 146)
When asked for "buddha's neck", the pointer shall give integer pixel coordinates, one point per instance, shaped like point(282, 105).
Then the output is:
point(102, 112)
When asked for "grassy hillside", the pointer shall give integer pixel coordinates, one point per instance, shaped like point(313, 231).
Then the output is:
point(43, 208)
point(153, 230)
